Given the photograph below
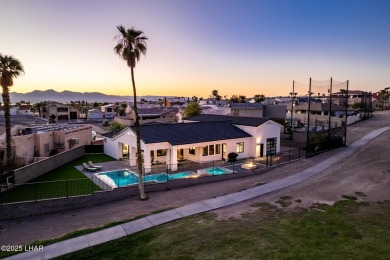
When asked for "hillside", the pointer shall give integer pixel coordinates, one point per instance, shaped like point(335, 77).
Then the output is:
point(67, 96)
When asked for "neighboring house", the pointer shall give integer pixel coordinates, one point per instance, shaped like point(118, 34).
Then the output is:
point(45, 140)
point(24, 110)
point(215, 110)
point(95, 114)
point(13, 110)
point(147, 115)
point(319, 114)
point(108, 111)
point(322, 109)
point(213, 101)
point(150, 115)
point(130, 105)
point(274, 112)
point(247, 109)
point(169, 102)
point(354, 97)
point(60, 111)
point(205, 141)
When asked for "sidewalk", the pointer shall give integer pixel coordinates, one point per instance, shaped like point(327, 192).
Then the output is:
point(78, 243)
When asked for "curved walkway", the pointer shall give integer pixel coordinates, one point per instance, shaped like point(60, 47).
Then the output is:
point(85, 241)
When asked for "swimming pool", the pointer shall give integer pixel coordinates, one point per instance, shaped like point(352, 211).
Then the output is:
point(214, 171)
point(182, 175)
point(120, 178)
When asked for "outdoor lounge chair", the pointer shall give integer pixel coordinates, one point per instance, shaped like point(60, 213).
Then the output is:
point(94, 166)
point(89, 168)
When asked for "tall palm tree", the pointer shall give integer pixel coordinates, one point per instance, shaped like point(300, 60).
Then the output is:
point(10, 68)
point(131, 44)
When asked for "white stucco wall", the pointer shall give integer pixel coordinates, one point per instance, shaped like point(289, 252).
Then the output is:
point(260, 134)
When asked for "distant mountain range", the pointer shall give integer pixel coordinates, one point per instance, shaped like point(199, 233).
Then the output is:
point(67, 96)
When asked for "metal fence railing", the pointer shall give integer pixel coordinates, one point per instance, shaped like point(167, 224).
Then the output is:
point(156, 174)
point(48, 190)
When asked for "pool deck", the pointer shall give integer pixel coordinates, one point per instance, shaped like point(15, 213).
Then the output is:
point(115, 232)
point(184, 166)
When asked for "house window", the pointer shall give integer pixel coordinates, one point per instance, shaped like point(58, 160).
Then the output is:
point(217, 149)
point(46, 148)
point(205, 150)
point(271, 146)
point(161, 153)
point(62, 109)
point(211, 149)
point(240, 147)
point(191, 150)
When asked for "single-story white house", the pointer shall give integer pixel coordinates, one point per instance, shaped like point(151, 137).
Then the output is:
point(202, 141)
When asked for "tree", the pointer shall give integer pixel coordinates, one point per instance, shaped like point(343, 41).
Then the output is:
point(193, 109)
point(131, 45)
point(259, 98)
point(216, 95)
point(10, 68)
point(238, 99)
point(114, 126)
point(234, 99)
point(242, 99)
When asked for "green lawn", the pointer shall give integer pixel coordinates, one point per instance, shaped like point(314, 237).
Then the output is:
point(348, 230)
point(62, 182)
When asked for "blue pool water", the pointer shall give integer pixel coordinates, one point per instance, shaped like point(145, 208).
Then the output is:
point(182, 175)
point(122, 178)
point(160, 177)
point(216, 171)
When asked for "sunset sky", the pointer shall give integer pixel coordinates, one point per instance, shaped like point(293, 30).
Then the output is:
point(238, 47)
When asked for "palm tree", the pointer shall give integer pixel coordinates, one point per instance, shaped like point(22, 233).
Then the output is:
point(10, 68)
point(131, 44)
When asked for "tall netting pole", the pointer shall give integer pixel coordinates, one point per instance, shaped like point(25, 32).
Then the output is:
point(308, 121)
point(292, 111)
point(330, 109)
point(346, 114)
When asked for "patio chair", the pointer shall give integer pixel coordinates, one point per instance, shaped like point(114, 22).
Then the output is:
point(88, 168)
point(94, 166)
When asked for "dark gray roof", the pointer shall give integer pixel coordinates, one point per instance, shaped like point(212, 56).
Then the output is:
point(236, 120)
point(246, 105)
point(189, 133)
point(157, 111)
point(23, 120)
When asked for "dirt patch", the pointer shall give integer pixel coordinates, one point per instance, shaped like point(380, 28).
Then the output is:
point(363, 177)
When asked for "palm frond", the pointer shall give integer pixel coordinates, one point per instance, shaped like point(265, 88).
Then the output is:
point(10, 68)
point(131, 44)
